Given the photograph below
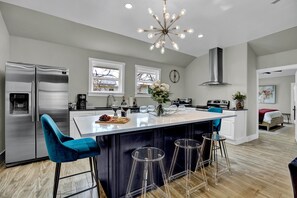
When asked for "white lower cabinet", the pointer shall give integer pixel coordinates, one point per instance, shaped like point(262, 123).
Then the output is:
point(234, 128)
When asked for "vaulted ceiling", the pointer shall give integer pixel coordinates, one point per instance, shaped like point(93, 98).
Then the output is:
point(222, 22)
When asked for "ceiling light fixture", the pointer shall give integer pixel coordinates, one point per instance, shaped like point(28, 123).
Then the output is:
point(128, 6)
point(200, 35)
point(166, 29)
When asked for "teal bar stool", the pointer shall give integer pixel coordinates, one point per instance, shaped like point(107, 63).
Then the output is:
point(62, 148)
point(217, 124)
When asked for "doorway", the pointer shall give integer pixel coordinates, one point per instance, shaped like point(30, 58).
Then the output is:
point(289, 70)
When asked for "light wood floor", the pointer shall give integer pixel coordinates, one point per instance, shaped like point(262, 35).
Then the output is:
point(259, 169)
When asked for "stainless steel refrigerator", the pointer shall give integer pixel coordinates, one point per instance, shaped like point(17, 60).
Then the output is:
point(30, 91)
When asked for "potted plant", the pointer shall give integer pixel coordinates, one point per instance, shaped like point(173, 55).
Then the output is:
point(239, 98)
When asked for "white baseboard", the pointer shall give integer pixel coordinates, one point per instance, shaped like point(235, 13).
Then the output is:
point(243, 140)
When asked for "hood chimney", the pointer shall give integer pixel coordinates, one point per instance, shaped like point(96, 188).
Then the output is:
point(215, 67)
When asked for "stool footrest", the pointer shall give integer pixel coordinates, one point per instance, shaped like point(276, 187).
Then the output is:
point(150, 187)
point(192, 176)
point(84, 190)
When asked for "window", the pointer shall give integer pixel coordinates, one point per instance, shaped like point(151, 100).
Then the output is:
point(106, 77)
point(145, 76)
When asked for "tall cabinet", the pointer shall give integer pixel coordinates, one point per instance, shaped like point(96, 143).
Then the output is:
point(234, 128)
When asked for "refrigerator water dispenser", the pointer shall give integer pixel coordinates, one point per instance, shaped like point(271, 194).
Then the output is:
point(19, 103)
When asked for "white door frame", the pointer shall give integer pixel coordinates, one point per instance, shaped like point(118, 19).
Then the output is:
point(271, 69)
point(292, 102)
point(295, 102)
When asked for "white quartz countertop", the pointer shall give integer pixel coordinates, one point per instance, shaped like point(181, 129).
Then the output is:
point(140, 121)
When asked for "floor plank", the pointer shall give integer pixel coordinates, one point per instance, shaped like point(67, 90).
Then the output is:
point(259, 169)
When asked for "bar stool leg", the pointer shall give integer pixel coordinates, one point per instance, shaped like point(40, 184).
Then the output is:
point(220, 145)
point(92, 173)
point(144, 180)
point(226, 157)
point(164, 178)
point(150, 156)
point(216, 162)
point(188, 162)
point(200, 164)
point(96, 175)
point(131, 176)
point(173, 162)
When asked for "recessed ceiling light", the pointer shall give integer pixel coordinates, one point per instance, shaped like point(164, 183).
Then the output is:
point(128, 6)
point(200, 35)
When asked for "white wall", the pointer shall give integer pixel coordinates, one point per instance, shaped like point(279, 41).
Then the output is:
point(252, 122)
point(235, 73)
point(283, 93)
point(278, 59)
point(4, 56)
point(76, 59)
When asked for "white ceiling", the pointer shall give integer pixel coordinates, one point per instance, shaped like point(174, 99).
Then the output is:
point(223, 22)
point(277, 73)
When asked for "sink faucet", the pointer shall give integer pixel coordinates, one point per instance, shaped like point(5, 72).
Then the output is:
point(108, 104)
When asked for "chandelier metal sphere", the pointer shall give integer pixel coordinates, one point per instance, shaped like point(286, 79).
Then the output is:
point(166, 29)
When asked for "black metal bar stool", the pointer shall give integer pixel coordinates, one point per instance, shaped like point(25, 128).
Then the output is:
point(190, 177)
point(147, 155)
point(217, 142)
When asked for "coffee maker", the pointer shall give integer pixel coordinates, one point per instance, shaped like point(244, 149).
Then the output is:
point(81, 101)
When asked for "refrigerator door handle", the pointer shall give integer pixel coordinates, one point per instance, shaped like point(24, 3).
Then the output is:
point(33, 101)
point(37, 101)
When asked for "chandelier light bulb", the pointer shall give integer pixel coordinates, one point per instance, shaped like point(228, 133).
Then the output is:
point(177, 27)
point(151, 27)
point(150, 35)
point(190, 31)
point(175, 46)
point(173, 16)
point(150, 11)
point(158, 44)
point(162, 50)
point(152, 47)
point(182, 35)
point(139, 30)
point(182, 12)
point(167, 16)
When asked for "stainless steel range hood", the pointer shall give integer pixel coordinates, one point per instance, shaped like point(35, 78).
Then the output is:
point(215, 67)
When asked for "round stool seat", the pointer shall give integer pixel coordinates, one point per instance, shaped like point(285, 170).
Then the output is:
point(187, 143)
point(213, 137)
point(151, 154)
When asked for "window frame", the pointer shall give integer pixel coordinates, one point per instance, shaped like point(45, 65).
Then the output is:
point(149, 70)
point(107, 64)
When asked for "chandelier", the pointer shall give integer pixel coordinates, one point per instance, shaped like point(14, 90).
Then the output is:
point(166, 30)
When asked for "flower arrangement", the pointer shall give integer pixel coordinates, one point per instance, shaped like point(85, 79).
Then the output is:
point(160, 92)
point(238, 96)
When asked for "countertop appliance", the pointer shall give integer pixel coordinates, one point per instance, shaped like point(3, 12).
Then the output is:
point(30, 91)
point(183, 101)
point(81, 101)
point(225, 104)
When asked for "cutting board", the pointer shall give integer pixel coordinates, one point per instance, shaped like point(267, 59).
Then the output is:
point(115, 120)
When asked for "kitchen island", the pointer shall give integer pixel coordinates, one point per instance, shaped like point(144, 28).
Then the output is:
point(117, 141)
